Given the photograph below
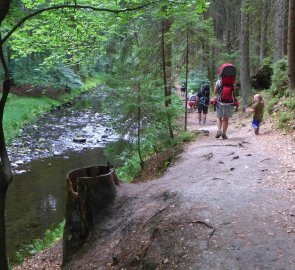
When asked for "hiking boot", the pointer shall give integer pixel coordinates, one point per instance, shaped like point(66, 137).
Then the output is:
point(224, 136)
point(204, 123)
point(256, 131)
point(200, 122)
point(218, 134)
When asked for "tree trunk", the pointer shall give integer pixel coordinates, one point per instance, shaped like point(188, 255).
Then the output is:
point(279, 30)
point(3, 258)
point(285, 27)
point(166, 59)
point(227, 29)
point(4, 8)
point(186, 79)
point(263, 31)
point(139, 126)
point(291, 46)
point(244, 55)
point(5, 179)
point(5, 167)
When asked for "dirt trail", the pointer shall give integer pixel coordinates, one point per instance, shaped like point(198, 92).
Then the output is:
point(225, 204)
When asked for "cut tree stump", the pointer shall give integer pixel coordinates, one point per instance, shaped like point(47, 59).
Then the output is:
point(89, 191)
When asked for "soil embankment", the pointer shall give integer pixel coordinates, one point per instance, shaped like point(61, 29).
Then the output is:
point(224, 204)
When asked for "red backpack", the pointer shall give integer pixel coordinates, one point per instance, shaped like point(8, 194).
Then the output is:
point(227, 73)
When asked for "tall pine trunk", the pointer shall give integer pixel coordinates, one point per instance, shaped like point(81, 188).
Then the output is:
point(285, 27)
point(186, 78)
point(291, 46)
point(139, 106)
point(227, 29)
point(263, 30)
point(167, 78)
point(279, 30)
point(244, 54)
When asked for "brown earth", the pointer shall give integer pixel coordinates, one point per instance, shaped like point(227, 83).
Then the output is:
point(222, 204)
point(29, 90)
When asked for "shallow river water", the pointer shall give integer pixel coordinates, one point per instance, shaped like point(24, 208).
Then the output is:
point(41, 158)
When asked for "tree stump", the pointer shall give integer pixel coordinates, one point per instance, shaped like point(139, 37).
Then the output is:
point(89, 191)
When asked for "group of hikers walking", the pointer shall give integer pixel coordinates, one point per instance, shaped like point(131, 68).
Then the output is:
point(224, 101)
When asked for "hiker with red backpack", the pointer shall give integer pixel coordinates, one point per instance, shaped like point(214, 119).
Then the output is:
point(225, 91)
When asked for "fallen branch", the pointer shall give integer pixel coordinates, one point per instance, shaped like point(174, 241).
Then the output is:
point(219, 145)
point(158, 212)
point(199, 222)
point(207, 225)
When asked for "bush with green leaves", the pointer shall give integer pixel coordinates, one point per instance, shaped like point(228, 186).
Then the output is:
point(28, 71)
point(279, 101)
point(197, 78)
point(279, 78)
point(141, 118)
point(270, 104)
point(284, 120)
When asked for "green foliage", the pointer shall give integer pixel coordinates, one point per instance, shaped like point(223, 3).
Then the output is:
point(28, 71)
point(155, 138)
point(267, 62)
point(282, 110)
point(188, 136)
point(232, 57)
point(279, 85)
point(284, 119)
point(270, 105)
point(153, 130)
point(290, 103)
point(135, 98)
point(37, 245)
point(129, 169)
point(197, 78)
point(280, 103)
point(286, 114)
point(59, 35)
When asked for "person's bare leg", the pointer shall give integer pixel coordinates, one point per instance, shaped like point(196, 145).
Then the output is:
point(200, 118)
point(204, 120)
point(224, 127)
point(219, 125)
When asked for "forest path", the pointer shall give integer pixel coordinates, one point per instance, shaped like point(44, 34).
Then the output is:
point(224, 204)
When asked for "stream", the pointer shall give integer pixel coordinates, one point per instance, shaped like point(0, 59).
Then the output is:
point(68, 137)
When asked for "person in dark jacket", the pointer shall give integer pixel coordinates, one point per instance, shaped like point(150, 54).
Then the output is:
point(203, 98)
point(182, 89)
